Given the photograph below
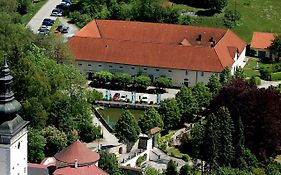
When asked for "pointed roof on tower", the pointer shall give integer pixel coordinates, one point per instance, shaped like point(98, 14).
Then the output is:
point(77, 152)
point(10, 122)
point(8, 104)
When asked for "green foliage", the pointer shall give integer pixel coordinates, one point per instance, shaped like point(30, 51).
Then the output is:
point(276, 76)
point(184, 20)
point(103, 77)
point(126, 128)
point(239, 73)
point(214, 84)
point(122, 80)
point(162, 82)
point(255, 80)
point(36, 144)
point(273, 168)
point(219, 129)
point(171, 168)
point(141, 159)
point(218, 5)
point(55, 140)
point(165, 140)
point(170, 113)
point(23, 6)
point(231, 18)
point(151, 171)
point(88, 132)
point(265, 73)
point(196, 140)
point(225, 76)
point(186, 170)
point(150, 119)
point(201, 94)
point(142, 82)
point(109, 163)
point(275, 46)
point(187, 104)
point(229, 171)
point(93, 95)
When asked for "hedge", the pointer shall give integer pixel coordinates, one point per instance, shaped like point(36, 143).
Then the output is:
point(275, 76)
point(141, 159)
point(257, 81)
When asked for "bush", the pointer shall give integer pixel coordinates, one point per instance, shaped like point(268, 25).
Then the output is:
point(276, 76)
point(255, 80)
point(186, 157)
point(141, 159)
point(231, 18)
point(265, 73)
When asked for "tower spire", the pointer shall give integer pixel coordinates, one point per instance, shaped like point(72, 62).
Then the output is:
point(8, 105)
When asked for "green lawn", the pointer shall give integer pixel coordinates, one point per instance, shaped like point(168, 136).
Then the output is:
point(111, 115)
point(32, 11)
point(256, 15)
point(250, 68)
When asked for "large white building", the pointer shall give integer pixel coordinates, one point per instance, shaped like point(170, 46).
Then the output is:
point(185, 54)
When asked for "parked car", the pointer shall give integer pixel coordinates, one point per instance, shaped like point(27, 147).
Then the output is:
point(56, 14)
point(59, 29)
point(145, 98)
point(43, 30)
point(123, 98)
point(116, 96)
point(48, 22)
point(65, 29)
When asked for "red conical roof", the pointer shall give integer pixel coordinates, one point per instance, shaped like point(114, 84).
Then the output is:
point(77, 151)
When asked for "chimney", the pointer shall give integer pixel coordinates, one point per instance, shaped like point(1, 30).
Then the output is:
point(75, 163)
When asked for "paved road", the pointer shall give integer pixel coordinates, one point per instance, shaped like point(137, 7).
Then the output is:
point(266, 84)
point(108, 138)
point(44, 12)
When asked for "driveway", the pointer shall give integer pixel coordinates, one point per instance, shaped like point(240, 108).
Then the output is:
point(44, 12)
point(72, 28)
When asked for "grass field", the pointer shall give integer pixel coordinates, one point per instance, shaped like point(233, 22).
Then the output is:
point(32, 11)
point(250, 68)
point(111, 115)
point(256, 15)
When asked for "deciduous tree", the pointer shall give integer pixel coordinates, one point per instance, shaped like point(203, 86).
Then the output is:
point(170, 113)
point(126, 128)
point(150, 119)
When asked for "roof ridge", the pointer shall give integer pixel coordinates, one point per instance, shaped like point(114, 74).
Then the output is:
point(98, 28)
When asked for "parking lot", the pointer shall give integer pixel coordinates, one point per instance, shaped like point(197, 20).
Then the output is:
point(171, 93)
point(45, 17)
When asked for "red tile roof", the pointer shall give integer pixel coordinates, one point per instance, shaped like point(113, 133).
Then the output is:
point(84, 170)
point(155, 45)
point(77, 151)
point(262, 40)
point(35, 165)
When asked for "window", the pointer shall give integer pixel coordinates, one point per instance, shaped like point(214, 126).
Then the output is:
point(110, 66)
point(121, 67)
point(186, 72)
point(145, 68)
point(89, 65)
point(157, 70)
point(169, 70)
point(132, 67)
point(19, 145)
point(100, 65)
point(79, 64)
point(186, 79)
point(202, 74)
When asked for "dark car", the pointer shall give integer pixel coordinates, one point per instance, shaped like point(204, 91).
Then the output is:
point(65, 29)
point(116, 96)
point(48, 22)
point(56, 14)
point(59, 28)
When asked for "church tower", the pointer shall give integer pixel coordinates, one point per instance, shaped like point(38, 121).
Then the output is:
point(13, 129)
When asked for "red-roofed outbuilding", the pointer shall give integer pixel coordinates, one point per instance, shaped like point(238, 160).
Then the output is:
point(260, 44)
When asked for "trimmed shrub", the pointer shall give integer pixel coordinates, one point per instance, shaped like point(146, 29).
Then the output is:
point(276, 76)
point(255, 80)
point(141, 159)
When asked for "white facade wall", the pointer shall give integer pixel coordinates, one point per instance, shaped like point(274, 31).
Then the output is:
point(13, 157)
point(267, 52)
point(178, 77)
point(240, 62)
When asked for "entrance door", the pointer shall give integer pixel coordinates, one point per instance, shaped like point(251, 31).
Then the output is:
point(262, 54)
